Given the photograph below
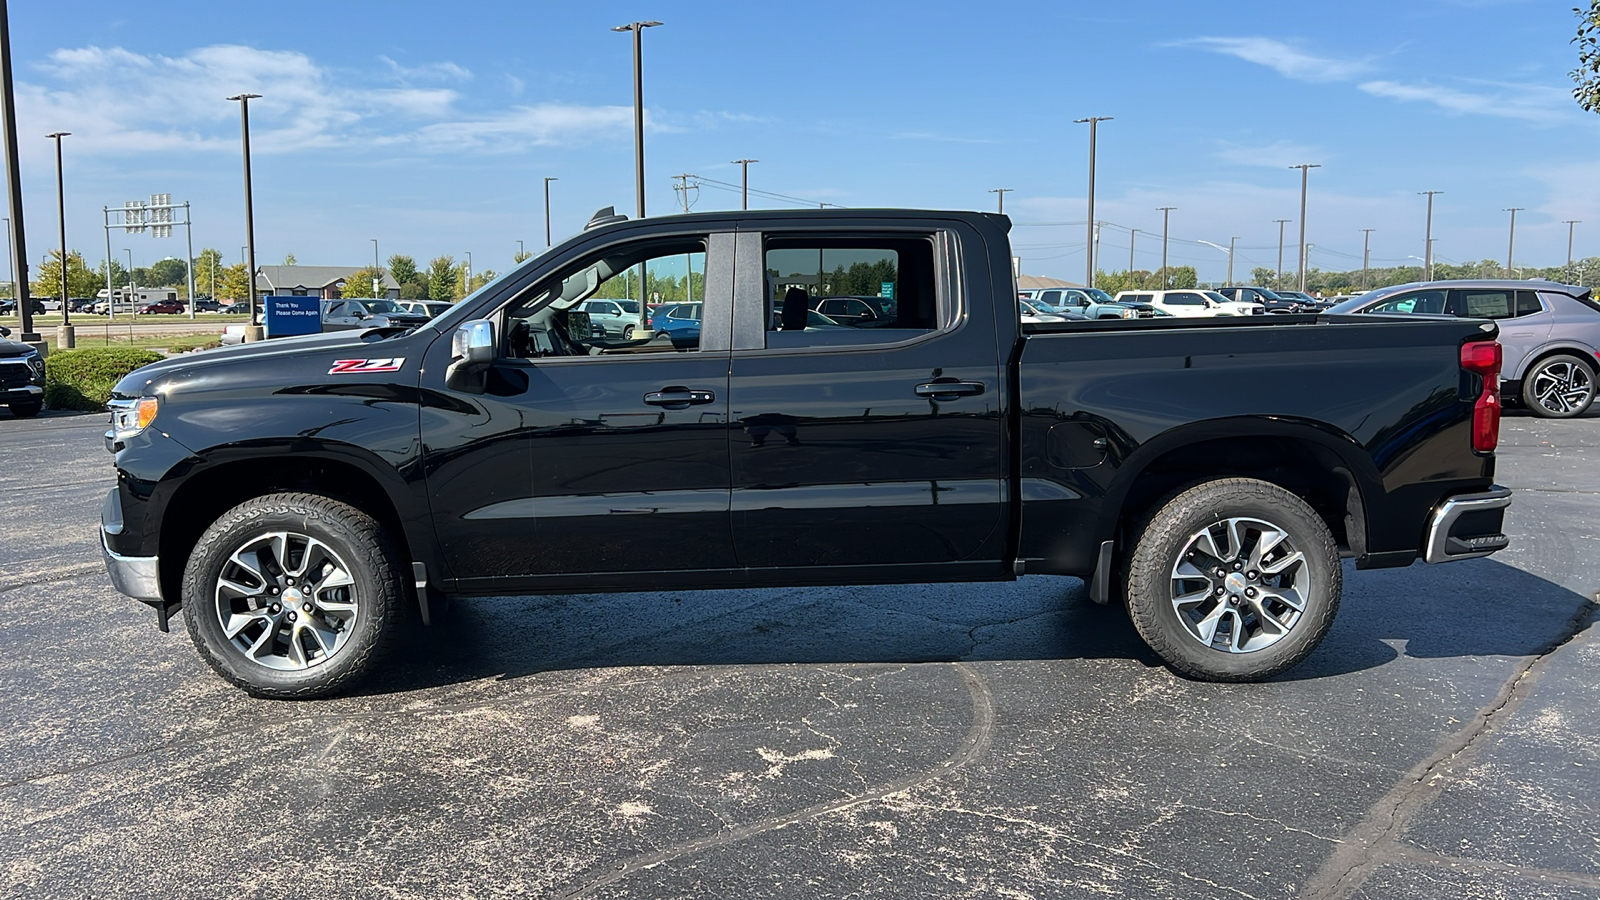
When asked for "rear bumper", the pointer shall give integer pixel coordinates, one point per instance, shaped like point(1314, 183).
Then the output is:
point(1467, 526)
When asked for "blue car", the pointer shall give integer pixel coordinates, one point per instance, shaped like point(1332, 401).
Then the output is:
point(679, 321)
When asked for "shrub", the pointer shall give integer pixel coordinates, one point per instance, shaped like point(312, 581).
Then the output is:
point(83, 379)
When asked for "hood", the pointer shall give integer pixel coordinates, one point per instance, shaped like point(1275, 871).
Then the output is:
point(10, 348)
point(362, 342)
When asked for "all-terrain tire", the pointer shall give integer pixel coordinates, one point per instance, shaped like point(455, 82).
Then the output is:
point(356, 616)
point(1190, 567)
point(26, 409)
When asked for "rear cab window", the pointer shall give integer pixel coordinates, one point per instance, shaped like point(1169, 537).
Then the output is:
point(825, 291)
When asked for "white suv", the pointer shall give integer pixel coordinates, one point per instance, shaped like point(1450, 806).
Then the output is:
point(1192, 303)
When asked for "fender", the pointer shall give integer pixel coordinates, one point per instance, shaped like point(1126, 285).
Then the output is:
point(1555, 345)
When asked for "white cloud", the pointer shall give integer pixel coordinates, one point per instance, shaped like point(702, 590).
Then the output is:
point(1287, 60)
point(1275, 155)
point(1531, 103)
point(118, 102)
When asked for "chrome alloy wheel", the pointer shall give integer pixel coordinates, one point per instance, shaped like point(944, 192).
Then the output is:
point(286, 601)
point(1240, 585)
point(1562, 387)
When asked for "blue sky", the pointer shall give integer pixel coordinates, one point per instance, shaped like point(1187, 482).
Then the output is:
point(430, 128)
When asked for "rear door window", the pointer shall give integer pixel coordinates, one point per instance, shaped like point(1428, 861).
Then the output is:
point(1528, 303)
point(1480, 303)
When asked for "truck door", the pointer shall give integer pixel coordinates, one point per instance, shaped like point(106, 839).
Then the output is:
point(874, 444)
point(588, 454)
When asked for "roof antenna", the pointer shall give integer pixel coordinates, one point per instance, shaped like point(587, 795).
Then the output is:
point(604, 216)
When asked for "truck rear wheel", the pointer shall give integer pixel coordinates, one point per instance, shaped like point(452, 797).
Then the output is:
point(293, 596)
point(1234, 580)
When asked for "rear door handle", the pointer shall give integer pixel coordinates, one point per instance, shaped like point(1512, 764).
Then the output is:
point(679, 398)
point(948, 390)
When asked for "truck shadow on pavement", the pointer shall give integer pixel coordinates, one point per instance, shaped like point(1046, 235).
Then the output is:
point(1470, 609)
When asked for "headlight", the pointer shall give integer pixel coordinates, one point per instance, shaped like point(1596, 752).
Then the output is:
point(1130, 314)
point(129, 417)
point(34, 361)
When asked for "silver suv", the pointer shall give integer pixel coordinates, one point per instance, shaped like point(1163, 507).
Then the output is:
point(1550, 333)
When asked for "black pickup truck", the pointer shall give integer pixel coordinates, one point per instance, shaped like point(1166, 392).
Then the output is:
point(297, 498)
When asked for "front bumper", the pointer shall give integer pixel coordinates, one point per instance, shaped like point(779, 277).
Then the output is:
point(25, 392)
point(1468, 526)
point(138, 577)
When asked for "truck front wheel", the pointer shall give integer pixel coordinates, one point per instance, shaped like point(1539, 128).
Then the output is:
point(1234, 580)
point(293, 596)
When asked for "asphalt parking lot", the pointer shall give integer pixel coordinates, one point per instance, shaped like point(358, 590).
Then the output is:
point(1005, 740)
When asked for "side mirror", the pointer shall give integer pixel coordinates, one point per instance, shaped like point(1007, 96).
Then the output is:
point(579, 326)
point(472, 349)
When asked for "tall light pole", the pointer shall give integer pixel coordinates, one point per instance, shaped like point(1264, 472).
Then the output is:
point(520, 250)
point(1427, 252)
point(466, 283)
point(253, 330)
point(744, 182)
point(377, 279)
point(1304, 168)
point(1366, 254)
point(64, 333)
point(8, 126)
point(1570, 223)
point(1166, 212)
point(1002, 192)
point(547, 209)
point(1133, 235)
point(1278, 282)
point(1094, 123)
point(1228, 250)
point(11, 264)
point(1511, 247)
point(638, 103)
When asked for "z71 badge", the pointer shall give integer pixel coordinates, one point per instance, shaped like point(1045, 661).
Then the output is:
point(366, 366)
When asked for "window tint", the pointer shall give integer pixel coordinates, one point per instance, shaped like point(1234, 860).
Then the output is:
point(556, 317)
point(1181, 299)
point(1412, 303)
point(841, 291)
point(1477, 303)
point(1528, 303)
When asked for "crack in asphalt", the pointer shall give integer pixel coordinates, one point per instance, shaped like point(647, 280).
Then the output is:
point(1494, 867)
point(972, 747)
point(66, 573)
point(1377, 838)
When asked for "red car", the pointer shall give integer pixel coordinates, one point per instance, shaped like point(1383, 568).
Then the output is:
point(163, 307)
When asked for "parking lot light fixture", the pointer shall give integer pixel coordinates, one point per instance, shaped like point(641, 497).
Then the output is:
point(1570, 223)
point(1427, 252)
point(1366, 254)
point(1304, 168)
point(547, 209)
point(1094, 122)
point(1278, 281)
point(1166, 212)
point(252, 331)
point(61, 212)
point(1228, 250)
point(1511, 271)
point(638, 103)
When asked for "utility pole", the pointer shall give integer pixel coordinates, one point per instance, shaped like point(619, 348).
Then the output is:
point(1366, 254)
point(1166, 213)
point(1002, 192)
point(547, 209)
point(1231, 242)
point(64, 337)
point(1427, 253)
point(688, 258)
point(1133, 235)
point(252, 330)
point(1094, 257)
point(1094, 124)
point(1570, 223)
point(638, 106)
point(1511, 247)
point(1304, 168)
point(1279, 281)
point(744, 184)
point(8, 119)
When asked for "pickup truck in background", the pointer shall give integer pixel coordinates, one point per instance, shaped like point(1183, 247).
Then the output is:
point(296, 498)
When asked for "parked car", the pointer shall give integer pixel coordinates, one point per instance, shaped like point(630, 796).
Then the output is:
point(613, 318)
point(207, 304)
point(429, 308)
point(1550, 332)
point(292, 499)
point(162, 307)
point(1190, 304)
point(366, 313)
point(1269, 300)
point(1033, 315)
point(81, 304)
point(679, 321)
point(857, 312)
point(9, 307)
point(21, 377)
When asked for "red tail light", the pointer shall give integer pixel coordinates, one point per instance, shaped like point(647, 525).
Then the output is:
point(1483, 358)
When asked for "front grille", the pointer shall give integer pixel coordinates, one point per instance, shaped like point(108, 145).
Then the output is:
point(14, 374)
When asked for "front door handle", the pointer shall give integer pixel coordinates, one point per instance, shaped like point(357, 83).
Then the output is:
point(949, 389)
point(679, 398)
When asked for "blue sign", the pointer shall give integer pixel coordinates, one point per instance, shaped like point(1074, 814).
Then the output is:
point(289, 316)
point(886, 290)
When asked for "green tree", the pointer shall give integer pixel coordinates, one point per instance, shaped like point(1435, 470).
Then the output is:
point(169, 272)
point(207, 265)
point(288, 259)
point(403, 268)
point(1586, 77)
point(520, 256)
point(234, 282)
point(358, 285)
point(415, 289)
point(81, 280)
point(444, 278)
point(479, 279)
